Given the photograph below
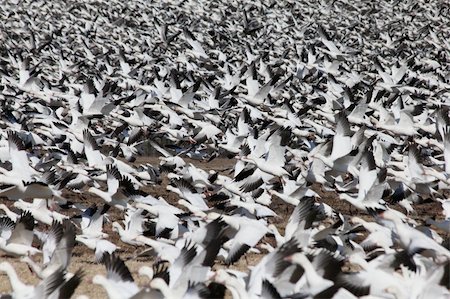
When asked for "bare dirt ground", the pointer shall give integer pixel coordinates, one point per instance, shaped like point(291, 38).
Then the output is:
point(83, 257)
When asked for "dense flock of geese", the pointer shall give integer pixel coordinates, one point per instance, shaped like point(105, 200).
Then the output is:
point(306, 99)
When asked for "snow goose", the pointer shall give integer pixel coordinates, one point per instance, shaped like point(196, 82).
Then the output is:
point(20, 164)
point(301, 219)
point(92, 151)
point(368, 174)
point(134, 226)
point(20, 241)
point(197, 49)
point(414, 176)
point(247, 233)
point(370, 280)
point(254, 208)
point(186, 267)
point(39, 209)
point(447, 153)
point(91, 221)
point(6, 228)
point(415, 241)
point(40, 186)
point(423, 283)
point(166, 218)
point(113, 195)
point(57, 250)
point(19, 289)
point(371, 200)
point(404, 126)
point(53, 286)
point(207, 233)
point(379, 236)
point(274, 162)
point(163, 250)
point(317, 274)
point(233, 284)
point(119, 282)
point(99, 246)
point(292, 192)
point(443, 122)
point(390, 81)
point(270, 267)
point(186, 191)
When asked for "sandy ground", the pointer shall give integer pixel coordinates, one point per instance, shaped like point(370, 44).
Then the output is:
point(83, 257)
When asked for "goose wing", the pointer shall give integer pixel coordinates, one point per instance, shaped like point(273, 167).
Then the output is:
point(23, 231)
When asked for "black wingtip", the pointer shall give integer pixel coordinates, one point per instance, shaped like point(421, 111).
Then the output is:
point(116, 266)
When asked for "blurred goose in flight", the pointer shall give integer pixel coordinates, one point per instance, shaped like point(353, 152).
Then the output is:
point(10, 214)
point(53, 286)
point(315, 283)
point(40, 211)
point(20, 241)
point(92, 151)
point(274, 161)
point(166, 218)
point(24, 180)
point(414, 241)
point(91, 221)
point(134, 226)
point(342, 142)
point(57, 248)
point(119, 282)
point(245, 235)
point(187, 192)
point(113, 195)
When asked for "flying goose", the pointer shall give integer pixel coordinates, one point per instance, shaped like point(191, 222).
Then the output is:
point(246, 234)
point(91, 221)
point(379, 236)
point(315, 284)
point(8, 213)
point(414, 241)
point(20, 241)
point(118, 282)
point(40, 210)
point(53, 286)
point(134, 226)
point(232, 283)
point(56, 250)
point(274, 161)
point(187, 192)
point(113, 195)
point(166, 218)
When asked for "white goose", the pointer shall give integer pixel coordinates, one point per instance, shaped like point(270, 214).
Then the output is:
point(134, 226)
point(20, 241)
point(52, 287)
point(166, 218)
point(314, 282)
point(274, 162)
point(113, 195)
point(118, 282)
point(39, 209)
point(413, 240)
point(57, 250)
point(248, 232)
